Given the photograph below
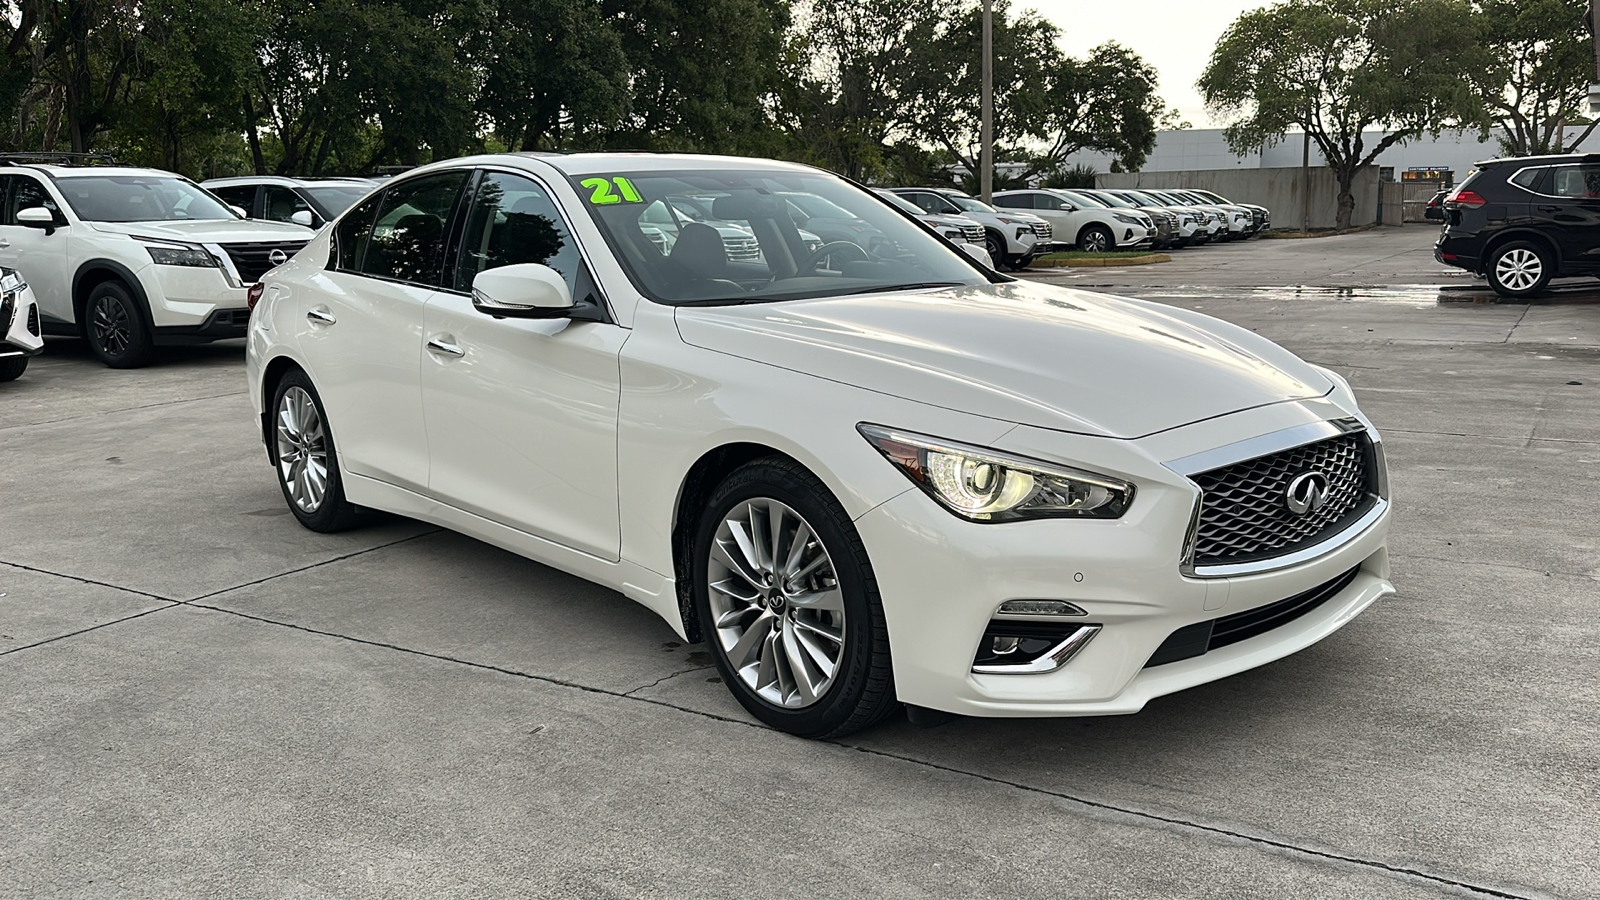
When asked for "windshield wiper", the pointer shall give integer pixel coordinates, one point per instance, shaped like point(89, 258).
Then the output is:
point(911, 286)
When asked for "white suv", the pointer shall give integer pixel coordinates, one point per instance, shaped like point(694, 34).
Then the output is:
point(1082, 222)
point(20, 335)
point(131, 258)
point(302, 201)
point(1013, 238)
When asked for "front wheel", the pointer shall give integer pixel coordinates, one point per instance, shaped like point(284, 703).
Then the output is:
point(1520, 269)
point(789, 605)
point(12, 369)
point(1096, 239)
point(115, 327)
point(305, 459)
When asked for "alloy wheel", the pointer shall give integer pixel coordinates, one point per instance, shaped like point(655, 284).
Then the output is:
point(1096, 241)
point(1519, 269)
point(112, 330)
point(776, 605)
point(302, 450)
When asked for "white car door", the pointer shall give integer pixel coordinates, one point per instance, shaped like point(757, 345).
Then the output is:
point(522, 413)
point(41, 257)
point(362, 331)
point(1064, 223)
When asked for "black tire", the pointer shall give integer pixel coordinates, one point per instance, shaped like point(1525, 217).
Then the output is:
point(1096, 239)
point(115, 326)
point(12, 369)
point(1520, 269)
point(861, 690)
point(332, 512)
point(996, 245)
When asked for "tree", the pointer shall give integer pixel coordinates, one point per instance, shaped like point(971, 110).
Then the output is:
point(1337, 68)
point(1535, 70)
point(555, 75)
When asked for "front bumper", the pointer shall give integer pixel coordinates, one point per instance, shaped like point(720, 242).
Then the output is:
point(942, 580)
point(21, 334)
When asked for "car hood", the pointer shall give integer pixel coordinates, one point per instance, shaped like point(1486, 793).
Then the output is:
point(1020, 352)
point(210, 231)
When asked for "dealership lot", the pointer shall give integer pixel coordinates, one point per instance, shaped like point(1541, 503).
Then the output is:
point(200, 697)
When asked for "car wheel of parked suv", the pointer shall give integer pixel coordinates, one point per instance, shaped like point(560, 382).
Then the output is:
point(1096, 239)
point(12, 369)
point(1520, 269)
point(788, 603)
point(115, 327)
point(305, 459)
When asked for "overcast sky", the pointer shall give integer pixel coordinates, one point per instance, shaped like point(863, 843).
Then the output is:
point(1175, 36)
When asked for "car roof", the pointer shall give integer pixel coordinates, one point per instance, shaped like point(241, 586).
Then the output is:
point(56, 171)
point(1553, 158)
point(286, 181)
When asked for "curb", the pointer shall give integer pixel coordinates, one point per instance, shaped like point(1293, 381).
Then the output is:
point(1146, 260)
point(1297, 236)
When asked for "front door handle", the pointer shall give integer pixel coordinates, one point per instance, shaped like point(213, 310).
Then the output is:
point(4, 243)
point(320, 315)
point(1550, 209)
point(443, 346)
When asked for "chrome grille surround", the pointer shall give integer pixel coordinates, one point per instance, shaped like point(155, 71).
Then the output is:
point(1244, 516)
point(1042, 230)
point(252, 260)
point(973, 233)
point(741, 249)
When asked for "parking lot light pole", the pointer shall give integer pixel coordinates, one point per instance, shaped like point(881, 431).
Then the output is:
point(1591, 21)
point(986, 138)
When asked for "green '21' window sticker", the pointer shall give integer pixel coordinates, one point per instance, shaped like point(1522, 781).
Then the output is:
point(601, 192)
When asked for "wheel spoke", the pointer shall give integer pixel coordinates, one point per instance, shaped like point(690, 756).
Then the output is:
point(735, 562)
point(829, 600)
point(797, 549)
point(827, 633)
point(818, 656)
point(751, 642)
point(795, 656)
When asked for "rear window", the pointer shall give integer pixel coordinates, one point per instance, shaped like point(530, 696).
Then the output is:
point(1526, 178)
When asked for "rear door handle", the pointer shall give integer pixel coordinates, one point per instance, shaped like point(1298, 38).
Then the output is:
point(443, 346)
point(320, 315)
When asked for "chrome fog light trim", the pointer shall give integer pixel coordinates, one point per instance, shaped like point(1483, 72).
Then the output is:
point(1053, 659)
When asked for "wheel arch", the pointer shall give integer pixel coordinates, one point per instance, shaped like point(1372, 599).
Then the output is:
point(702, 478)
point(271, 374)
point(1530, 235)
point(95, 272)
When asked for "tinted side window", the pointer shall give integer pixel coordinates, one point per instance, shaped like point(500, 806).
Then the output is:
point(282, 203)
point(514, 221)
point(1047, 201)
point(350, 238)
point(407, 242)
point(243, 197)
point(23, 192)
point(1577, 181)
point(1014, 201)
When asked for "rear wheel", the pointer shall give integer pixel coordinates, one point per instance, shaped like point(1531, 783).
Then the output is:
point(789, 605)
point(115, 327)
point(1520, 269)
point(305, 459)
point(12, 369)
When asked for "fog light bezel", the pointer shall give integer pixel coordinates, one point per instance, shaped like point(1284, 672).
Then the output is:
point(1065, 642)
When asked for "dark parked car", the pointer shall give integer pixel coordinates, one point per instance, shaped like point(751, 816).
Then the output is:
point(1435, 209)
point(1522, 221)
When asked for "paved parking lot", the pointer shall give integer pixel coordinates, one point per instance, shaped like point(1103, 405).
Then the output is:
point(199, 698)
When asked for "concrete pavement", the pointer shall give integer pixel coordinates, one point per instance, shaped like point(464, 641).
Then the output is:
point(199, 698)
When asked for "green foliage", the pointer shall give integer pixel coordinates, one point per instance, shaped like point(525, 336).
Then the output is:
point(1079, 176)
point(1533, 73)
point(1335, 68)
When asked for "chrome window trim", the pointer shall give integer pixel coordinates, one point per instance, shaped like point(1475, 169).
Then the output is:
point(1548, 166)
point(1305, 554)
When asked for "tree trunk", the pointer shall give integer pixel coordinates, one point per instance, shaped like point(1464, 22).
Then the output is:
point(1347, 197)
point(253, 136)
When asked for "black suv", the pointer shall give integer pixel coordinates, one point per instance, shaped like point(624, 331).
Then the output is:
point(1522, 221)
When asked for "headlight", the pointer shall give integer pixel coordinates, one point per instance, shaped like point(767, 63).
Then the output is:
point(1130, 220)
point(174, 253)
point(988, 486)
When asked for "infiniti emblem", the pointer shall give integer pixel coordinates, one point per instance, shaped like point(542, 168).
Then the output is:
point(1307, 493)
point(277, 257)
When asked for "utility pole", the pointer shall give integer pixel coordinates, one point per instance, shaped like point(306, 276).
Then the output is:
point(1589, 22)
point(986, 152)
point(1305, 179)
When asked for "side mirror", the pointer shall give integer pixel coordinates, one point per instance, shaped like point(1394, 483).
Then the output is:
point(239, 211)
point(38, 217)
point(303, 217)
point(523, 291)
point(979, 253)
point(1068, 207)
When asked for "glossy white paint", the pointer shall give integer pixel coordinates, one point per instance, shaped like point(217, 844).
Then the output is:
point(570, 441)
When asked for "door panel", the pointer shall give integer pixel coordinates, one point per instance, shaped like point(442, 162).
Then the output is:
point(1576, 209)
point(366, 363)
point(41, 258)
point(522, 427)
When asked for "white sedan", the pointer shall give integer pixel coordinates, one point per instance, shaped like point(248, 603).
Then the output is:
point(865, 474)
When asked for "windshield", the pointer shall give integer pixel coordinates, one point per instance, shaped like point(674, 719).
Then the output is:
point(1114, 201)
point(335, 198)
point(969, 204)
point(140, 198)
point(743, 236)
point(1083, 200)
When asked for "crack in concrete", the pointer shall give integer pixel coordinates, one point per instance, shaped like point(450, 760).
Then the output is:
point(1497, 565)
point(123, 409)
point(171, 604)
point(1371, 864)
point(1494, 437)
point(652, 684)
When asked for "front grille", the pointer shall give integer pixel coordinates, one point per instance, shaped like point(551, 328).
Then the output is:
point(1042, 230)
point(1202, 637)
point(1244, 511)
point(973, 233)
point(252, 259)
point(742, 249)
point(1257, 218)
